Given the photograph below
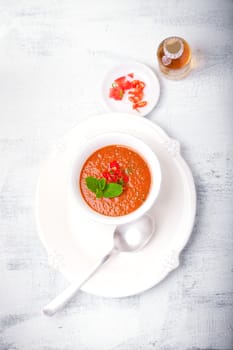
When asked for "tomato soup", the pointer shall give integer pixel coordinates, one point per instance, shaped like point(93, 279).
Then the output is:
point(107, 163)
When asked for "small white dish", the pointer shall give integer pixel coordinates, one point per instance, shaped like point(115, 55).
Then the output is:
point(141, 72)
point(93, 145)
point(74, 242)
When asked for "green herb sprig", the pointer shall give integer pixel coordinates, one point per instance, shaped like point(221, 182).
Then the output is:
point(103, 189)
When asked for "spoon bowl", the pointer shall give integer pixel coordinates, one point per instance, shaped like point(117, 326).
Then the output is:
point(129, 237)
point(133, 236)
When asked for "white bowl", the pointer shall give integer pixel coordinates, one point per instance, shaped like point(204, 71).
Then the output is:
point(123, 139)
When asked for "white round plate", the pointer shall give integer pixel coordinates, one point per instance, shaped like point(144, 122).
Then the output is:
point(74, 242)
point(141, 72)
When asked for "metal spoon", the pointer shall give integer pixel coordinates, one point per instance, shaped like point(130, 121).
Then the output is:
point(127, 238)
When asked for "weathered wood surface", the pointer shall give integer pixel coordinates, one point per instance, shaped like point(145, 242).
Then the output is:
point(52, 56)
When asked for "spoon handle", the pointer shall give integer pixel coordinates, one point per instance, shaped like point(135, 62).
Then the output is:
point(62, 299)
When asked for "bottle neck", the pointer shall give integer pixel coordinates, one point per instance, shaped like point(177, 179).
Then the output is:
point(173, 48)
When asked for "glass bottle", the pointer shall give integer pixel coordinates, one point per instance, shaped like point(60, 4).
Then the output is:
point(174, 57)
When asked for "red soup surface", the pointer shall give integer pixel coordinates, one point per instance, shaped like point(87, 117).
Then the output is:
point(135, 179)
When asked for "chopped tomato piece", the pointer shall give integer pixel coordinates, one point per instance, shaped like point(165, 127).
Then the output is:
point(127, 85)
point(131, 92)
point(120, 80)
point(115, 164)
point(116, 93)
point(134, 87)
point(134, 99)
point(125, 178)
point(142, 104)
point(138, 93)
point(139, 104)
point(141, 84)
point(113, 177)
point(118, 173)
point(123, 83)
point(135, 83)
point(131, 75)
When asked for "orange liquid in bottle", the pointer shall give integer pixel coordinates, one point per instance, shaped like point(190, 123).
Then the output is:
point(174, 57)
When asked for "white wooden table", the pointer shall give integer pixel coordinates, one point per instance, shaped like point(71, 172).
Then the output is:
point(53, 54)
